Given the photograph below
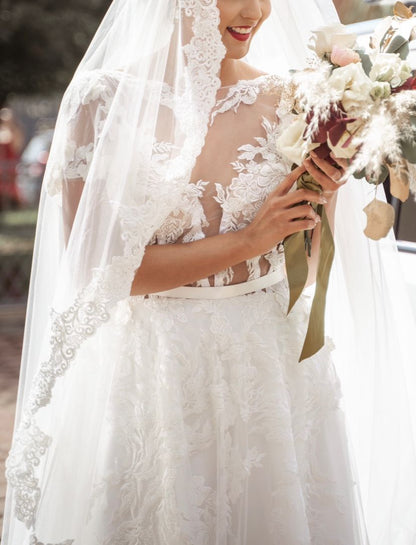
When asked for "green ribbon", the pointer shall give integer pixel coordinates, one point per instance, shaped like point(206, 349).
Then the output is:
point(296, 246)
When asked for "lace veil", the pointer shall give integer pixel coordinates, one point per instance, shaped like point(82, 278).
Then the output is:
point(149, 76)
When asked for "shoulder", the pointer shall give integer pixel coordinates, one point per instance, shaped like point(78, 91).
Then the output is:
point(249, 72)
point(91, 86)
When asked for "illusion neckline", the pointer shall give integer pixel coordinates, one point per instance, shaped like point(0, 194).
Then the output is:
point(245, 81)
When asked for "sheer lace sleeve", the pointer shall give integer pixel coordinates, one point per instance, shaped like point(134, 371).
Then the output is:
point(88, 103)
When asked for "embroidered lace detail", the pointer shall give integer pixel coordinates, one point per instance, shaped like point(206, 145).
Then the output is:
point(204, 54)
point(95, 92)
point(189, 217)
point(69, 330)
point(259, 170)
point(78, 160)
point(247, 91)
point(30, 444)
point(209, 432)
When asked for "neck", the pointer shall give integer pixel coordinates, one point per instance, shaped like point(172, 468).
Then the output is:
point(230, 72)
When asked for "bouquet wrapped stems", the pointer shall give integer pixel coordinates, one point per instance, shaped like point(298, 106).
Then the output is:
point(297, 247)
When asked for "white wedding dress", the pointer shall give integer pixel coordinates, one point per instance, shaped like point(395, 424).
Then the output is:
point(214, 433)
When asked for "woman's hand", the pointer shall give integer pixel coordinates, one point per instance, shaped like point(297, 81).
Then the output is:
point(281, 215)
point(325, 173)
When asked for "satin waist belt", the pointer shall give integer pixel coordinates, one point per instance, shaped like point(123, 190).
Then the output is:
point(222, 292)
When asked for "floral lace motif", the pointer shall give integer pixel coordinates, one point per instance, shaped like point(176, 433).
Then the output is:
point(72, 327)
point(200, 426)
point(247, 91)
point(259, 169)
point(30, 444)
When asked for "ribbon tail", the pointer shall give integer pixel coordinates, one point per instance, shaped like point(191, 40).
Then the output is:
point(315, 336)
point(296, 266)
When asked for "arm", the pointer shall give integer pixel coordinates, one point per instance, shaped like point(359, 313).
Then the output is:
point(173, 265)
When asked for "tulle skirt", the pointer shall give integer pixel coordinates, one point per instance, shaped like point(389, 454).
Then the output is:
point(191, 422)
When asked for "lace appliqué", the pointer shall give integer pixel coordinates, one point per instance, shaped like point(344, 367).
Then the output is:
point(247, 91)
point(260, 169)
point(189, 217)
point(78, 161)
point(93, 87)
point(29, 445)
point(71, 328)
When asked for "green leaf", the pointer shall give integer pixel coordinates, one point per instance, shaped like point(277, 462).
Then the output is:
point(408, 147)
point(397, 44)
point(382, 177)
point(409, 150)
point(359, 174)
point(404, 51)
point(365, 61)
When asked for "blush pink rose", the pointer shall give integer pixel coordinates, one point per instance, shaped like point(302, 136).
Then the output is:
point(344, 55)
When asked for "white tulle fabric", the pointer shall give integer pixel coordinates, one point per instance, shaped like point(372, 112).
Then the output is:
point(147, 420)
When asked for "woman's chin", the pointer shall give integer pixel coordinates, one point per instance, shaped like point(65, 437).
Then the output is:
point(237, 52)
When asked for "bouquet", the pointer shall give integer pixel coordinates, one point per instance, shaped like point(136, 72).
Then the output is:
point(362, 106)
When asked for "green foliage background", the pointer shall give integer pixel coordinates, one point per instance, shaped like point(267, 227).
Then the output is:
point(42, 41)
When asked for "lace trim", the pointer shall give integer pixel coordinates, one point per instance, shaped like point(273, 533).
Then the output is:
point(81, 320)
point(29, 445)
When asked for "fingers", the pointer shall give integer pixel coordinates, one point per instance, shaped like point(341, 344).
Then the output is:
point(304, 211)
point(343, 163)
point(330, 170)
point(285, 186)
point(321, 177)
point(300, 195)
point(302, 225)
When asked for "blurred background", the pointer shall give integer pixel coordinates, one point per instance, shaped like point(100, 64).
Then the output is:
point(41, 43)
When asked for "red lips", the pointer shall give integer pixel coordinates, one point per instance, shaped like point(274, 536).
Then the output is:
point(239, 37)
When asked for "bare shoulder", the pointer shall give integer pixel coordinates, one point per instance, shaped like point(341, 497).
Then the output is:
point(250, 72)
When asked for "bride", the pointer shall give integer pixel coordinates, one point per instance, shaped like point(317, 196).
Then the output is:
point(161, 396)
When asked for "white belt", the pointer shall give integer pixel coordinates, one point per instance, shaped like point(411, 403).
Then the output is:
point(222, 292)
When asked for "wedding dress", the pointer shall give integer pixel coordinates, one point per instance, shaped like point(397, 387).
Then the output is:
point(213, 433)
point(185, 417)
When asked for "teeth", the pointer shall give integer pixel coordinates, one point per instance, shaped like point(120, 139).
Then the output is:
point(240, 30)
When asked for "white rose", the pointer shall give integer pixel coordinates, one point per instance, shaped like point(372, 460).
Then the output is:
point(291, 142)
point(381, 89)
point(350, 85)
point(389, 67)
point(324, 38)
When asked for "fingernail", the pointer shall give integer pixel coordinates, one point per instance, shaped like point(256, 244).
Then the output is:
point(323, 200)
point(317, 219)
